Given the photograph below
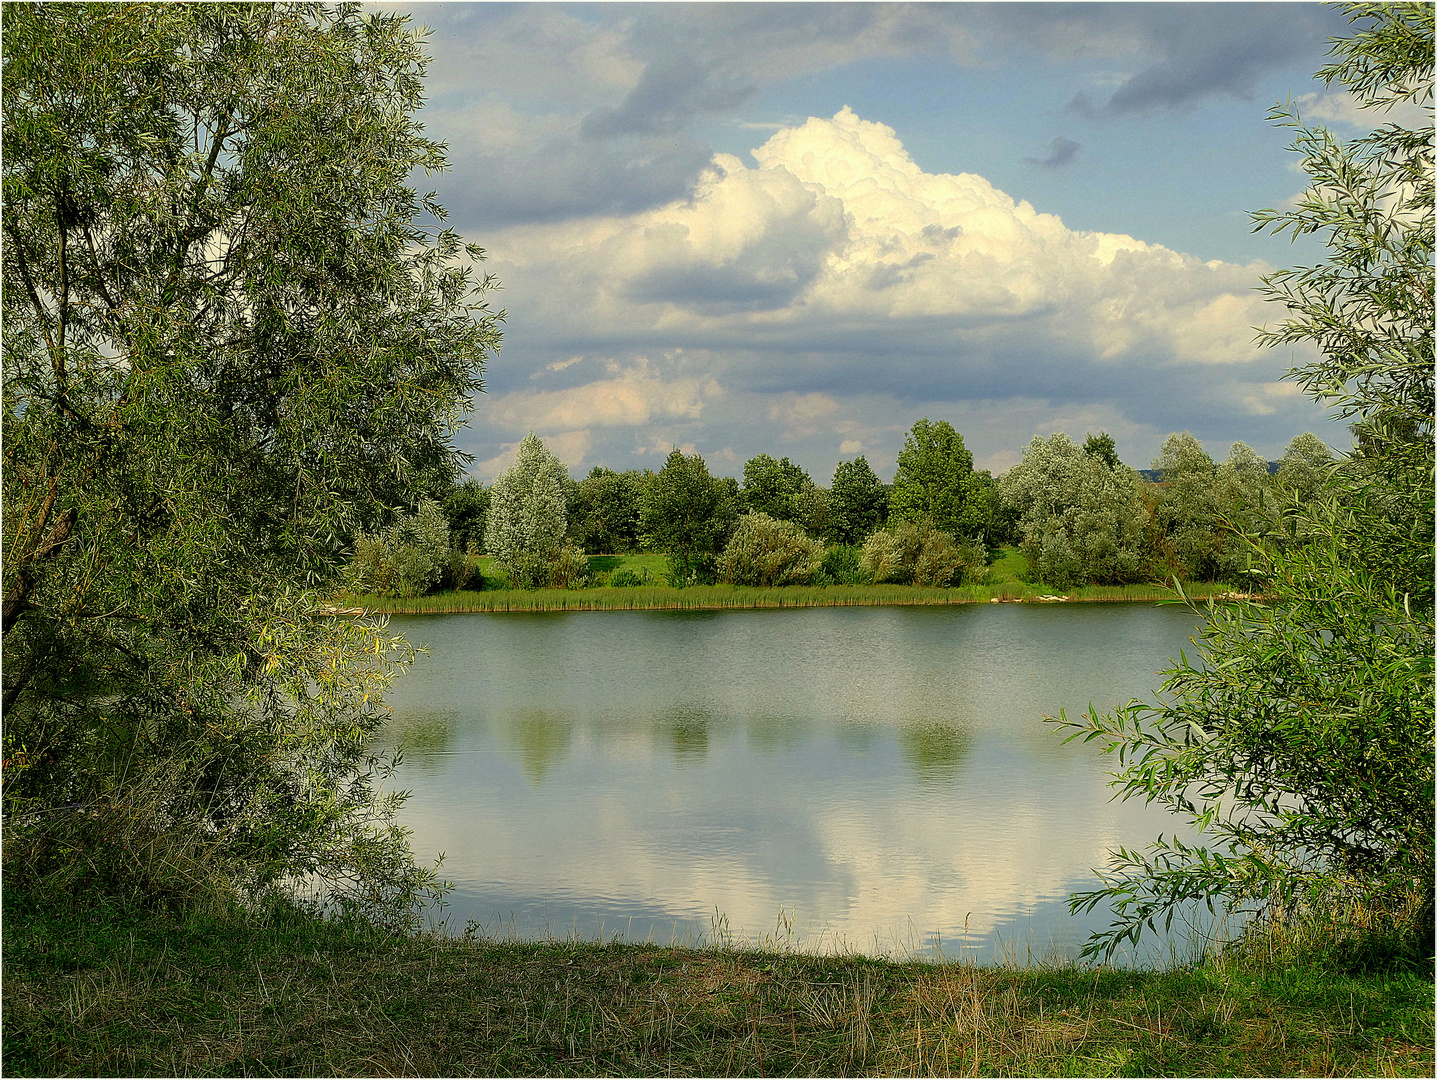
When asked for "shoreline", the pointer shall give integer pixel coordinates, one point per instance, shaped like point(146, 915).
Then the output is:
point(742, 598)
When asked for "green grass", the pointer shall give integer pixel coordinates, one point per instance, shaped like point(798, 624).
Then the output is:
point(1002, 583)
point(109, 992)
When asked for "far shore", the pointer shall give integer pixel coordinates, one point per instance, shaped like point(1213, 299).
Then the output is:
point(740, 598)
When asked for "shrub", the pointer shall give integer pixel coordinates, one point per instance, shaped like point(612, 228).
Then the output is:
point(625, 579)
point(570, 568)
point(913, 554)
point(843, 565)
point(408, 558)
point(766, 552)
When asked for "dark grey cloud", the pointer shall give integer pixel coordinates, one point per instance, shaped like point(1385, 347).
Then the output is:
point(1186, 53)
point(567, 177)
point(1060, 151)
point(671, 91)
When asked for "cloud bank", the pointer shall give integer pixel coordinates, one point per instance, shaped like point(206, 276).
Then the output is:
point(832, 292)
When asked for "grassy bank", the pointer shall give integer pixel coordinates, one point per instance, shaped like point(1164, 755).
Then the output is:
point(1003, 583)
point(737, 597)
point(112, 993)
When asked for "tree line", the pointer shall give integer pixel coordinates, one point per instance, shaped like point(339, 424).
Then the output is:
point(1079, 515)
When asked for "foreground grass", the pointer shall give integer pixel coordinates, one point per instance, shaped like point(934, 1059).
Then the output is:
point(105, 992)
point(738, 597)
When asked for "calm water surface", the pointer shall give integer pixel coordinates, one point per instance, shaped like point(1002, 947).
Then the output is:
point(878, 779)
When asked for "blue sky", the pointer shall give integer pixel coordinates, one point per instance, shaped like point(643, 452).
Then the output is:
point(796, 229)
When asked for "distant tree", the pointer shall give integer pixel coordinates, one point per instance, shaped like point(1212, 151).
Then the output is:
point(1081, 519)
point(785, 491)
point(1103, 447)
point(767, 552)
point(688, 515)
point(604, 511)
point(934, 481)
point(770, 487)
point(858, 503)
point(466, 507)
point(1186, 511)
point(527, 516)
point(1305, 467)
point(1246, 507)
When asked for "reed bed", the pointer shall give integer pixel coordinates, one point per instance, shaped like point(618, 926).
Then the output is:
point(740, 598)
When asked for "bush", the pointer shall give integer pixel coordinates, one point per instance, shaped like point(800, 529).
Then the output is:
point(913, 554)
point(408, 558)
point(625, 579)
point(570, 568)
point(766, 552)
point(842, 563)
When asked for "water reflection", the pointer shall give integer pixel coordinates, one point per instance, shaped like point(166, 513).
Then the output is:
point(687, 734)
point(935, 750)
point(542, 739)
point(883, 773)
point(424, 735)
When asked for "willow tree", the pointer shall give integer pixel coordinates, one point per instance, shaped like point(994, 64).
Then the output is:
point(1300, 741)
point(229, 347)
point(528, 515)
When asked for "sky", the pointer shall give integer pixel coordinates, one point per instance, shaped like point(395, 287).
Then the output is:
point(797, 229)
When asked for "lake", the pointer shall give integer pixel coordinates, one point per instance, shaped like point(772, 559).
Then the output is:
point(874, 779)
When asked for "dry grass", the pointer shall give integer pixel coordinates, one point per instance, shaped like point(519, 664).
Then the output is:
point(132, 996)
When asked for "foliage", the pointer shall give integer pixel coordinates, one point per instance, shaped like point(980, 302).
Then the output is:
point(688, 515)
point(604, 511)
point(935, 482)
point(1301, 738)
point(527, 517)
point(228, 347)
point(770, 487)
point(1301, 747)
point(785, 491)
point(1304, 468)
point(1081, 518)
point(858, 502)
point(408, 558)
point(1202, 509)
point(625, 579)
point(843, 564)
point(1369, 306)
point(767, 552)
point(570, 568)
point(1186, 512)
point(466, 506)
point(921, 554)
point(1103, 447)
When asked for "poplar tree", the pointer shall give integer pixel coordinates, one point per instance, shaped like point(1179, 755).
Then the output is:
point(527, 514)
